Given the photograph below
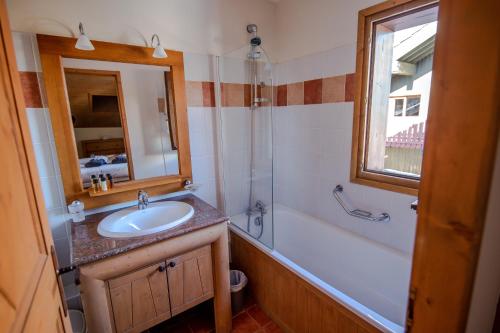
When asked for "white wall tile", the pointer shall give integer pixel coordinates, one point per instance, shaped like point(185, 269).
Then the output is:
point(37, 125)
point(44, 159)
point(59, 222)
point(23, 49)
point(203, 153)
point(51, 194)
point(313, 154)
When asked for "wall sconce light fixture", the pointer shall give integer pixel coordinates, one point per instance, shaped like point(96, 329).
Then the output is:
point(83, 42)
point(159, 52)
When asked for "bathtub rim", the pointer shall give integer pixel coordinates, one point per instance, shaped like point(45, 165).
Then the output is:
point(370, 316)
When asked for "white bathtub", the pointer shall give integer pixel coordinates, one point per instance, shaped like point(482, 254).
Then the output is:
point(368, 278)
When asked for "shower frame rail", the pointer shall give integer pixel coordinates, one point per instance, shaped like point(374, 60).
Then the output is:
point(359, 213)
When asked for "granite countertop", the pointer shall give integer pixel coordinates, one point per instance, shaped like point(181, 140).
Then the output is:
point(88, 246)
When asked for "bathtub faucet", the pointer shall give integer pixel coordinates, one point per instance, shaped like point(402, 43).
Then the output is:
point(260, 207)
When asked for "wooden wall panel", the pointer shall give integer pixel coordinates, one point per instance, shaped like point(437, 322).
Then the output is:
point(293, 303)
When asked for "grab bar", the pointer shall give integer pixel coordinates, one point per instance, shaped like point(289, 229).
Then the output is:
point(359, 213)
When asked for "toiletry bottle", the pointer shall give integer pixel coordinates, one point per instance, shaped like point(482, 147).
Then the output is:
point(109, 178)
point(95, 185)
point(104, 186)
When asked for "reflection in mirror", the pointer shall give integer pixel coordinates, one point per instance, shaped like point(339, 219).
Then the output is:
point(122, 118)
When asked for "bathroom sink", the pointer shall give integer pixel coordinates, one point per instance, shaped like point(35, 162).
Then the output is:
point(132, 222)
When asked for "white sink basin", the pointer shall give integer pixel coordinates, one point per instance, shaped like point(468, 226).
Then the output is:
point(131, 222)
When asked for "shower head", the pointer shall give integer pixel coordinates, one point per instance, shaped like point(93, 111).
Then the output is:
point(256, 41)
point(252, 28)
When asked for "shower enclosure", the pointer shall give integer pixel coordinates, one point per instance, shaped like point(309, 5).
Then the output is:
point(322, 249)
point(246, 99)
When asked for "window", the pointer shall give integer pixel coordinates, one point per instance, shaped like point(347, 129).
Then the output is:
point(394, 71)
point(398, 107)
point(412, 106)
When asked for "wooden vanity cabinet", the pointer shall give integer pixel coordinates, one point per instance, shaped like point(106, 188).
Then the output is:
point(190, 279)
point(150, 295)
point(140, 299)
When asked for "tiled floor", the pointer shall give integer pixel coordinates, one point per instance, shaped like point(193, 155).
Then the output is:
point(200, 320)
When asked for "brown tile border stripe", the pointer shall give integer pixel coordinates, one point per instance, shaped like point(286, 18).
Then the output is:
point(349, 87)
point(208, 93)
point(281, 98)
point(333, 89)
point(31, 89)
point(313, 91)
point(200, 93)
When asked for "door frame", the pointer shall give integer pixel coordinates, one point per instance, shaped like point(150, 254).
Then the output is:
point(45, 286)
point(462, 132)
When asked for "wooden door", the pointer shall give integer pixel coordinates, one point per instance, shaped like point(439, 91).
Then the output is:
point(461, 138)
point(190, 279)
point(30, 298)
point(140, 299)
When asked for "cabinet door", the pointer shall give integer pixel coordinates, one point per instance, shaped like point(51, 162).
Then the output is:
point(140, 299)
point(190, 279)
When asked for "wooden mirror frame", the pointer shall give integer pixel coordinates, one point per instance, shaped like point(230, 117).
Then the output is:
point(121, 107)
point(52, 49)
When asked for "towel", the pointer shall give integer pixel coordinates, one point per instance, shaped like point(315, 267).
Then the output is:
point(122, 158)
point(95, 162)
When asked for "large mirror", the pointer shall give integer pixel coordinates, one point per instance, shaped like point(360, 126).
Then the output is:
point(117, 111)
point(121, 119)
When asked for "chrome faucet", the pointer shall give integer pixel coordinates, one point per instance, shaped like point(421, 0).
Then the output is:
point(260, 207)
point(142, 200)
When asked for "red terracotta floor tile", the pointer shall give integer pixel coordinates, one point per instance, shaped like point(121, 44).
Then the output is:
point(258, 315)
point(243, 323)
point(272, 327)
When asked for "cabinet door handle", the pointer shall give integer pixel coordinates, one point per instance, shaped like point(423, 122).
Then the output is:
point(171, 264)
point(161, 268)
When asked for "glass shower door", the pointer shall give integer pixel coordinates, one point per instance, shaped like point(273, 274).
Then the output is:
point(247, 145)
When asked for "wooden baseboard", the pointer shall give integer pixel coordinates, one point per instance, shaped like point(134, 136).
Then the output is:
point(292, 302)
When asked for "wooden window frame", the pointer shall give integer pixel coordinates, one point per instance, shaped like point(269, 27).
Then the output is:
point(366, 19)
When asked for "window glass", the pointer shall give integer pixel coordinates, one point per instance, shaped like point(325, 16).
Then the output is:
point(412, 106)
point(398, 107)
point(402, 53)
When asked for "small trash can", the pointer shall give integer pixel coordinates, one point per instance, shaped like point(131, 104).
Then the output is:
point(238, 281)
point(77, 321)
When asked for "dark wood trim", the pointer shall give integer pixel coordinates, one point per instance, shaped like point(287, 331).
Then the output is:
point(52, 50)
point(29, 290)
point(457, 168)
point(170, 105)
